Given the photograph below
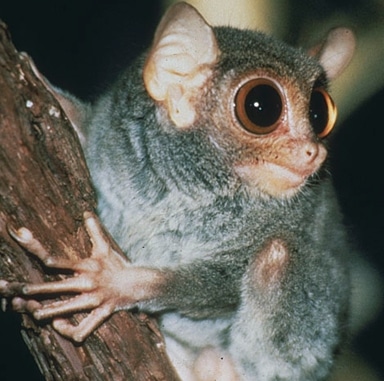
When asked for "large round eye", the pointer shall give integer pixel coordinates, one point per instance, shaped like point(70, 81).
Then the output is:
point(322, 112)
point(258, 106)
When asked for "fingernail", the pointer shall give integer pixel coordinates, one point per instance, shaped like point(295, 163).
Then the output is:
point(22, 234)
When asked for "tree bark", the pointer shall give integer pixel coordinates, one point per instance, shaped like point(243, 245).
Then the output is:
point(45, 187)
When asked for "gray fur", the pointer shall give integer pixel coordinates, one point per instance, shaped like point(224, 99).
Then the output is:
point(171, 200)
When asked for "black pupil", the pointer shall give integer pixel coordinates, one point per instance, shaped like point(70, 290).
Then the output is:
point(318, 112)
point(263, 105)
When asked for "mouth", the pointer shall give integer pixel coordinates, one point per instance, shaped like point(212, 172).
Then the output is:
point(274, 179)
point(287, 177)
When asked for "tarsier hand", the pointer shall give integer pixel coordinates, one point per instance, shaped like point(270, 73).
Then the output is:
point(103, 283)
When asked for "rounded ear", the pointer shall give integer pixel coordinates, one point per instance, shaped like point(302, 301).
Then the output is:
point(335, 53)
point(180, 62)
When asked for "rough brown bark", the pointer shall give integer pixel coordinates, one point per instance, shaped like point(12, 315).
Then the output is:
point(45, 186)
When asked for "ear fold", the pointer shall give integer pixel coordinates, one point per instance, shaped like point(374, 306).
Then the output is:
point(335, 53)
point(180, 62)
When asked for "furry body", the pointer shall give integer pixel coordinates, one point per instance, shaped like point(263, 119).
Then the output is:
point(172, 201)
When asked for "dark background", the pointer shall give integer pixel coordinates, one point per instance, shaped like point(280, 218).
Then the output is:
point(82, 45)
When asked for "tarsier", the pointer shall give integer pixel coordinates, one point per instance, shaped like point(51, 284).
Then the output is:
point(209, 159)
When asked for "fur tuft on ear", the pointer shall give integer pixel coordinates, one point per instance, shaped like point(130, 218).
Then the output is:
point(180, 62)
point(335, 53)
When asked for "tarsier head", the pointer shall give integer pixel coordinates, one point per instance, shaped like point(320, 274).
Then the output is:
point(263, 104)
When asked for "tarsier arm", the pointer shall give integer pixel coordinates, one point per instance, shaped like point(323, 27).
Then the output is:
point(106, 282)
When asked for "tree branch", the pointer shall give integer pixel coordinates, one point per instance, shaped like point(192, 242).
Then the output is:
point(45, 186)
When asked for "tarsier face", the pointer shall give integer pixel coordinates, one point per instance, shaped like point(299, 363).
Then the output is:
point(280, 131)
point(267, 110)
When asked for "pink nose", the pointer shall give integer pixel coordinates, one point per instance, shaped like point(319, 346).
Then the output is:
point(311, 150)
point(310, 156)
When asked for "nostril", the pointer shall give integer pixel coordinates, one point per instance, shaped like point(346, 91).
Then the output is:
point(314, 154)
point(311, 151)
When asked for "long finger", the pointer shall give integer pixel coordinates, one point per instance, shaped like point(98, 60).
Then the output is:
point(74, 284)
point(26, 239)
point(79, 303)
point(96, 234)
point(80, 332)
